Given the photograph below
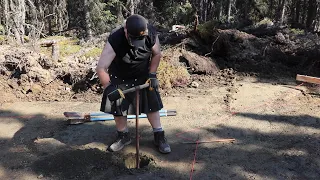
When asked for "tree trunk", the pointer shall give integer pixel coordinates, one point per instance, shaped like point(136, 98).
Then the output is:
point(270, 9)
point(246, 9)
point(88, 19)
point(317, 21)
point(6, 16)
point(283, 11)
point(304, 12)
point(205, 10)
point(16, 19)
point(211, 9)
point(201, 11)
point(60, 17)
point(297, 11)
point(132, 7)
point(120, 17)
point(22, 18)
point(220, 11)
point(32, 21)
point(229, 11)
point(196, 22)
point(293, 10)
point(312, 12)
point(50, 18)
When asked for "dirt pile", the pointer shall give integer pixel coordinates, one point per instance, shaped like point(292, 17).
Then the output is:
point(29, 75)
point(268, 51)
point(193, 59)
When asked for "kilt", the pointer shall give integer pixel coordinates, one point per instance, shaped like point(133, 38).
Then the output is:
point(149, 101)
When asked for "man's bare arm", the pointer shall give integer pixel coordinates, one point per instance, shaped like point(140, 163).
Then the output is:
point(156, 56)
point(104, 62)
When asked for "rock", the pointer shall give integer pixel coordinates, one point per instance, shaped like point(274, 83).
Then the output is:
point(44, 76)
point(96, 145)
point(280, 38)
point(36, 88)
point(24, 78)
point(25, 89)
point(7, 73)
point(194, 84)
point(40, 176)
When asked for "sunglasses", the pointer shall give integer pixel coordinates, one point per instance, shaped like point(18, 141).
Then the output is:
point(136, 37)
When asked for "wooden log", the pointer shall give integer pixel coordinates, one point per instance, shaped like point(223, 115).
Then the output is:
point(196, 23)
point(55, 51)
point(55, 48)
point(47, 43)
point(308, 79)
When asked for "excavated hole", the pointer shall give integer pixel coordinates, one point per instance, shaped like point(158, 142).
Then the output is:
point(130, 161)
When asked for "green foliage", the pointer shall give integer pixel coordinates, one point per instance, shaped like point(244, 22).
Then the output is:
point(173, 12)
point(2, 31)
point(265, 21)
point(262, 6)
point(297, 31)
point(207, 31)
point(3, 39)
point(186, 13)
point(70, 49)
point(102, 16)
point(67, 46)
point(94, 52)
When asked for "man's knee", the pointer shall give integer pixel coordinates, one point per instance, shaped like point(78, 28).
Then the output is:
point(120, 118)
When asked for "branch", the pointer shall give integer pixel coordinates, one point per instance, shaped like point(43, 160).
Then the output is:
point(212, 46)
point(213, 141)
point(39, 31)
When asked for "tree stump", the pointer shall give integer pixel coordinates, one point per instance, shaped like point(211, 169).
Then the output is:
point(55, 48)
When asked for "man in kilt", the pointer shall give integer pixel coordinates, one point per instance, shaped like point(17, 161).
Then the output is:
point(131, 57)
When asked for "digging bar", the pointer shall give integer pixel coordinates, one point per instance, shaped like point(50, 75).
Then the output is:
point(137, 128)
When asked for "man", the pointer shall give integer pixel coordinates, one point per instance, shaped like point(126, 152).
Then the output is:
point(131, 57)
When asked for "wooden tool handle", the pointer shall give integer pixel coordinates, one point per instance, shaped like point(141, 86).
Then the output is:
point(135, 88)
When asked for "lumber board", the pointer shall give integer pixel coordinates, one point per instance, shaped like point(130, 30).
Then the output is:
point(309, 79)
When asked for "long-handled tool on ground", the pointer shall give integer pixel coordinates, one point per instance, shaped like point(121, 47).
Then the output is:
point(75, 118)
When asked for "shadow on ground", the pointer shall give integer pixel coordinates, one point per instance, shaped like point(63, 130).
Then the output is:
point(253, 155)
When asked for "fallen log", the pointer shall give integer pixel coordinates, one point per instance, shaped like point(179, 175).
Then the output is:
point(308, 79)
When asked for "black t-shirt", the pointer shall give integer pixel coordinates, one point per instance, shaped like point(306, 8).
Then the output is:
point(130, 62)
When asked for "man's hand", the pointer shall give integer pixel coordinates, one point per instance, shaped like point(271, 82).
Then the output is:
point(114, 93)
point(153, 82)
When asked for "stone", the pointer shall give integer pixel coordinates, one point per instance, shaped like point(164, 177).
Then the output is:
point(194, 84)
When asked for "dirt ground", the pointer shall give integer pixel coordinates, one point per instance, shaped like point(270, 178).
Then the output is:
point(275, 124)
